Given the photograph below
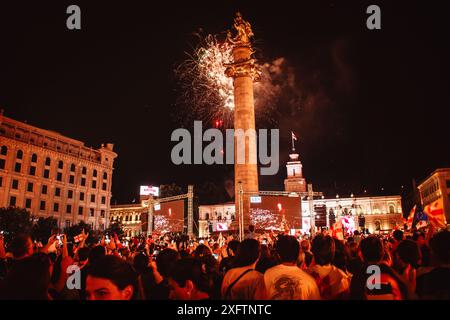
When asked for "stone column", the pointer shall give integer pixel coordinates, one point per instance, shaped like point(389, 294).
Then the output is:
point(244, 72)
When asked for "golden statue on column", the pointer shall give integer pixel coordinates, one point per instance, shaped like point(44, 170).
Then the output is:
point(244, 72)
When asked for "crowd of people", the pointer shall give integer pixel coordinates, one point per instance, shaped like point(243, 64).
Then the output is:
point(265, 266)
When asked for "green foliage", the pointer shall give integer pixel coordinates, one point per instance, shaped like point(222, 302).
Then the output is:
point(43, 229)
point(115, 227)
point(170, 190)
point(14, 221)
point(76, 229)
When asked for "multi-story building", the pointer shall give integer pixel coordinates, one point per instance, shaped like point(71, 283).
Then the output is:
point(437, 187)
point(380, 214)
point(52, 175)
point(133, 218)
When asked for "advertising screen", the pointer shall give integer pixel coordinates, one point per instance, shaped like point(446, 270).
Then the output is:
point(149, 190)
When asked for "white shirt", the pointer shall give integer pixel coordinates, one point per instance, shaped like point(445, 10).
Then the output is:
point(290, 283)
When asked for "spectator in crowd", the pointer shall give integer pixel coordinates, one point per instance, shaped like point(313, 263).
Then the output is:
point(243, 282)
point(267, 259)
point(227, 262)
point(165, 262)
point(306, 250)
point(187, 281)
point(435, 284)
point(398, 237)
point(146, 277)
point(287, 281)
point(251, 232)
point(388, 286)
point(419, 237)
point(333, 283)
point(111, 278)
point(29, 279)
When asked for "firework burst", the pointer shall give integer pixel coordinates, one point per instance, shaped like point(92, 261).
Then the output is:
point(205, 88)
point(207, 94)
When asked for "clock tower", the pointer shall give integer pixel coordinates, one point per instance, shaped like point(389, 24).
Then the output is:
point(295, 181)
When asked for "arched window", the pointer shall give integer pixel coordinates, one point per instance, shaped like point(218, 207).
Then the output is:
point(105, 176)
point(84, 170)
point(94, 173)
point(72, 167)
point(391, 208)
point(60, 164)
point(47, 161)
point(19, 154)
point(4, 150)
point(34, 158)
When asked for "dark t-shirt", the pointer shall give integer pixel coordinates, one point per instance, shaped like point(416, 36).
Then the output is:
point(434, 284)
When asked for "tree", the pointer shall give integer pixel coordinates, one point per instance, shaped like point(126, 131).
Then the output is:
point(14, 221)
point(76, 229)
point(115, 227)
point(43, 228)
point(170, 190)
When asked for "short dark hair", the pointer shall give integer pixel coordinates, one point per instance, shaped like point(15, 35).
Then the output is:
point(398, 235)
point(251, 228)
point(115, 269)
point(440, 246)
point(247, 253)
point(96, 253)
point(165, 261)
point(190, 269)
point(287, 248)
point(409, 252)
point(372, 249)
point(83, 253)
point(232, 245)
point(323, 249)
point(19, 244)
point(140, 262)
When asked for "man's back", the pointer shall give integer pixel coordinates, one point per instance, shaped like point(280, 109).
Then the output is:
point(434, 284)
point(290, 283)
point(249, 287)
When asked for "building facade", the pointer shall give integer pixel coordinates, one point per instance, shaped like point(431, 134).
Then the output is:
point(437, 187)
point(133, 218)
point(380, 214)
point(52, 175)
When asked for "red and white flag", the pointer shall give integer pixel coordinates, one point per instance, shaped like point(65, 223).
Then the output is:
point(294, 137)
point(435, 213)
point(410, 219)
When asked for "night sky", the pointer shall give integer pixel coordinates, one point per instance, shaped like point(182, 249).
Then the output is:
point(373, 108)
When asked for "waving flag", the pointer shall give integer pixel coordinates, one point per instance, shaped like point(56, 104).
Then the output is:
point(294, 137)
point(410, 219)
point(435, 213)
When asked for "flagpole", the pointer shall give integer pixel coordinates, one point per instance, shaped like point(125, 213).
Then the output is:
point(292, 139)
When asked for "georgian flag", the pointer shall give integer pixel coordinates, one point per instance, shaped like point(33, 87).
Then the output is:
point(410, 219)
point(78, 238)
point(294, 137)
point(435, 213)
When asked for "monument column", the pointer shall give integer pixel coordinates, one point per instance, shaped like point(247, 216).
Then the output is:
point(244, 72)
